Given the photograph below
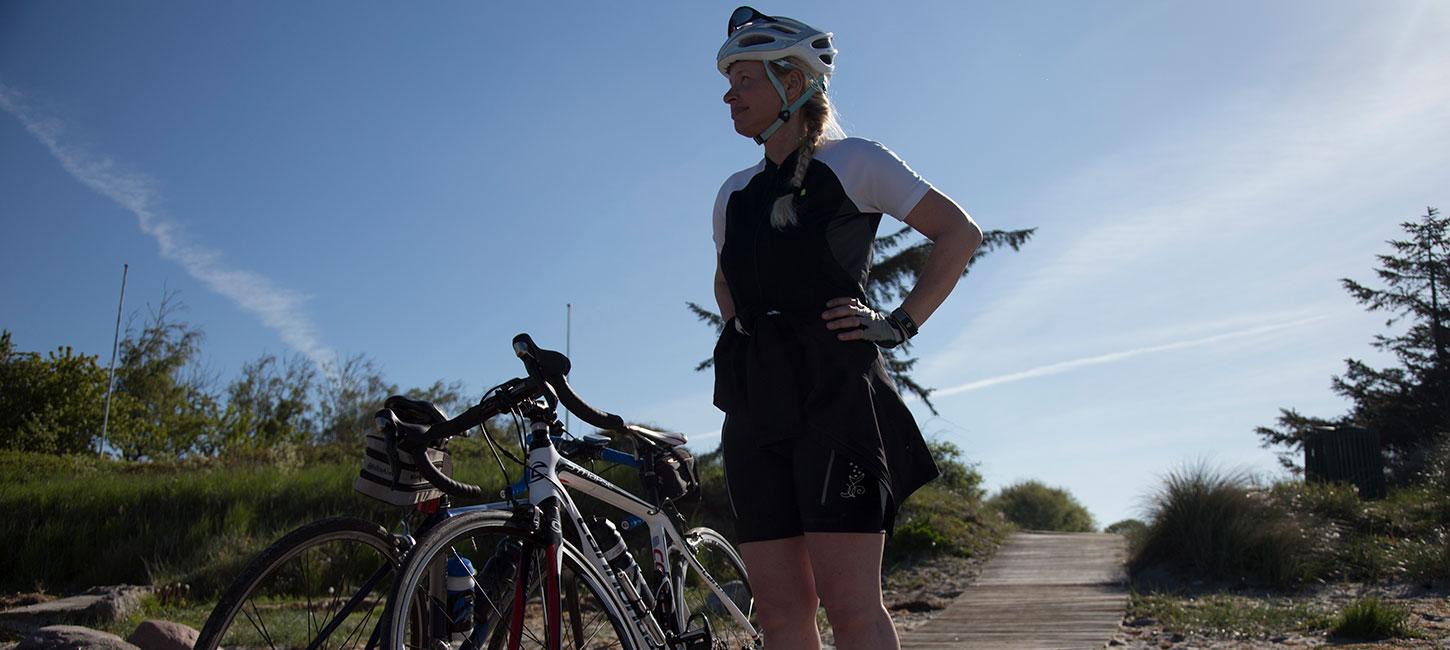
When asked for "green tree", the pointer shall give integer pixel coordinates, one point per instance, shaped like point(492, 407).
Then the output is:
point(1036, 506)
point(50, 404)
point(269, 404)
point(1408, 404)
point(897, 262)
point(163, 405)
point(354, 389)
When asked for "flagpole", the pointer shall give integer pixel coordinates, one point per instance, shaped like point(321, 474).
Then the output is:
point(568, 332)
point(111, 377)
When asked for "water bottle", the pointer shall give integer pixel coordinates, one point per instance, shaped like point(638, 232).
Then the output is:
point(617, 554)
point(460, 594)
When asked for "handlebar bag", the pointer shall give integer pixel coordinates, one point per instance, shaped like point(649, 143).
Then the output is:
point(375, 480)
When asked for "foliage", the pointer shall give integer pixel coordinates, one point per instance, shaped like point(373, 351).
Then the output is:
point(1035, 506)
point(162, 406)
point(1409, 404)
point(1371, 620)
point(1405, 536)
point(1228, 615)
point(897, 263)
point(947, 516)
point(1219, 525)
point(193, 520)
point(49, 404)
point(355, 389)
point(1133, 529)
point(267, 406)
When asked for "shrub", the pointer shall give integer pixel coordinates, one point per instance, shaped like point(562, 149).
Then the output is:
point(1035, 506)
point(1132, 529)
point(1369, 619)
point(946, 516)
point(1218, 525)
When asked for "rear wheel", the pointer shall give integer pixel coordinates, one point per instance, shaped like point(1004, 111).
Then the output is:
point(323, 584)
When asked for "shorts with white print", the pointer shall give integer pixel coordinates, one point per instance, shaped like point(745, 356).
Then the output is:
point(798, 486)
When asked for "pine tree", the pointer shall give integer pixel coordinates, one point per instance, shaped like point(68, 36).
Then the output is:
point(1408, 404)
point(897, 262)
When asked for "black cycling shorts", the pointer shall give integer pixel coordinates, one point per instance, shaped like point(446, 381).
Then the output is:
point(798, 486)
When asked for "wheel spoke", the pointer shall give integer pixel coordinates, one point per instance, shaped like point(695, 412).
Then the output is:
point(260, 625)
point(327, 555)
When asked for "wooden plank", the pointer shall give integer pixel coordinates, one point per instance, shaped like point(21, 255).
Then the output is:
point(1041, 590)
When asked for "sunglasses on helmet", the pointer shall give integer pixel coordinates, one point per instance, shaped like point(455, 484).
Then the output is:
point(744, 16)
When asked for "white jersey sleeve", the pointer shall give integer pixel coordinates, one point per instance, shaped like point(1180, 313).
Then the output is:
point(873, 177)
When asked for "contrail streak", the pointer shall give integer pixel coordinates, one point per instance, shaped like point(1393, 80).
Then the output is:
point(1067, 366)
point(278, 308)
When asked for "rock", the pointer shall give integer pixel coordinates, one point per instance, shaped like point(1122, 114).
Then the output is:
point(72, 637)
point(163, 635)
point(95, 605)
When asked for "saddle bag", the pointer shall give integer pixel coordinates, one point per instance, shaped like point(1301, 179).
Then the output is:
point(674, 474)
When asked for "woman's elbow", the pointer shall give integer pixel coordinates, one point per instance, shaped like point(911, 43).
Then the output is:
point(969, 234)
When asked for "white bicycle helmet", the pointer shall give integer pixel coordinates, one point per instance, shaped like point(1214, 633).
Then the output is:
point(753, 36)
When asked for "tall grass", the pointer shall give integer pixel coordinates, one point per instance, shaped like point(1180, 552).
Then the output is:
point(76, 522)
point(1219, 524)
point(1368, 619)
point(113, 523)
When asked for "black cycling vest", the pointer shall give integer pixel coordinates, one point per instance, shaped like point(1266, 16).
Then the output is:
point(791, 376)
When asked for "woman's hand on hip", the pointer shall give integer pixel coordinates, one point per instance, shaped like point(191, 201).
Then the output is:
point(858, 322)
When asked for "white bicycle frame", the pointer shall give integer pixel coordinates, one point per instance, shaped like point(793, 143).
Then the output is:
point(549, 473)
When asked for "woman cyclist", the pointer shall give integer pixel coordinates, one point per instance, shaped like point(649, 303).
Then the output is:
point(819, 447)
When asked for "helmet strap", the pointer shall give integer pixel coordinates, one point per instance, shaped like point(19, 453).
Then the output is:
point(785, 113)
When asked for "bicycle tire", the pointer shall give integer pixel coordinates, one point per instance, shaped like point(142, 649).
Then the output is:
point(477, 536)
point(726, 568)
point(369, 538)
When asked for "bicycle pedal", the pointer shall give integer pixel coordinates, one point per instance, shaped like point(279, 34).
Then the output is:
point(695, 640)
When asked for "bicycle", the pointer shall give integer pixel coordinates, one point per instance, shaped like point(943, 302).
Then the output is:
point(530, 578)
point(278, 586)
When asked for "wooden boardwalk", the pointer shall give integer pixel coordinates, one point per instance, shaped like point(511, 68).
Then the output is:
point(1041, 590)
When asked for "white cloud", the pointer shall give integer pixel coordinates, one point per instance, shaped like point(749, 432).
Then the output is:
point(1112, 357)
point(279, 308)
point(1258, 170)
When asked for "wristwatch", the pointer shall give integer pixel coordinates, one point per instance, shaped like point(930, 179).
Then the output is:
point(908, 326)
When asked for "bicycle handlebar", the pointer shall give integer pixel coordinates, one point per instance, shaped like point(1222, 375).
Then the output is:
point(553, 368)
point(547, 370)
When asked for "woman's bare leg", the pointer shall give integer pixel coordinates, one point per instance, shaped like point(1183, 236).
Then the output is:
point(847, 570)
point(785, 592)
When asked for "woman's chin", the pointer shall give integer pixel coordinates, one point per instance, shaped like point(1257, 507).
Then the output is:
point(747, 130)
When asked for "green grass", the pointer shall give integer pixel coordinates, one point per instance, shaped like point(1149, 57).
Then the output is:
point(76, 522)
point(72, 524)
point(1230, 616)
point(1368, 619)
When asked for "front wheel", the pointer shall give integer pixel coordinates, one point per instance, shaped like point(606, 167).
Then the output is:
point(723, 581)
point(321, 585)
point(499, 554)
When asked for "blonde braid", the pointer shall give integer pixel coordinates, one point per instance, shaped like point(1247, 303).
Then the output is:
point(816, 112)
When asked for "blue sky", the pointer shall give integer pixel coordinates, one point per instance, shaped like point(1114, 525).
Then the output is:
point(421, 183)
